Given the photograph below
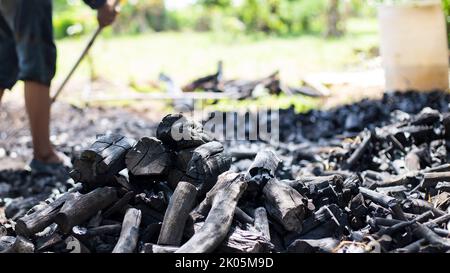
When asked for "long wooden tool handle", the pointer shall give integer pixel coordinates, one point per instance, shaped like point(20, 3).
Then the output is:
point(80, 59)
point(74, 68)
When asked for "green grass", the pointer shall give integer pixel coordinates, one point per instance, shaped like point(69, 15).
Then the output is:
point(185, 56)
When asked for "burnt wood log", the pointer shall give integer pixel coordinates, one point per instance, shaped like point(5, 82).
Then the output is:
point(418, 206)
point(177, 213)
point(220, 205)
point(358, 153)
point(210, 82)
point(18, 245)
point(431, 179)
point(182, 158)
point(266, 163)
point(245, 241)
point(81, 207)
point(262, 222)
point(104, 159)
point(284, 204)
point(40, 219)
point(243, 217)
point(207, 163)
point(412, 159)
point(119, 205)
point(130, 232)
point(175, 176)
point(385, 201)
point(429, 235)
point(179, 132)
point(148, 157)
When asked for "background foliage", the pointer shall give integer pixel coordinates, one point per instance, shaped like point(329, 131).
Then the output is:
point(273, 17)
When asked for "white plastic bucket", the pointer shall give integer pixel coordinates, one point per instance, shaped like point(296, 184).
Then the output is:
point(414, 46)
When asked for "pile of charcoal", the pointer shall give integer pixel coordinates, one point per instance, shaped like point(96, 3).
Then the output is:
point(381, 184)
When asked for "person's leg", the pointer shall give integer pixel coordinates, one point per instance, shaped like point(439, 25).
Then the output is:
point(37, 58)
point(37, 102)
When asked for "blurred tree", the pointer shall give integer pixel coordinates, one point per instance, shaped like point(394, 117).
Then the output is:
point(334, 26)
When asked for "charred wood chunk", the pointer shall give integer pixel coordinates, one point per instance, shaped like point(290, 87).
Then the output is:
point(429, 235)
point(219, 206)
point(179, 132)
point(412, 160)
point(284, 204)
point(81, 207)
point(104, 159)
point(18, 244)
point(177, 213)
point(207, 163)
point(324, 245)
point(183, 157)
point(359, 151)
point(175, 176)
point(245, 241)
point(323, 223)
point(418, 206)
point(148, 157)
point(210, 82)
point(150, 233)
point(153, 248)
point(430, 180)
point(242, 216)
point(262, 222)
point(130, 232)
point(385, 201)
point(40, 219)
point(265, 164)
point(154, 200)
point(119, 205)
point(427, 116)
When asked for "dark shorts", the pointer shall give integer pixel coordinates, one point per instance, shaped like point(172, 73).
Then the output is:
point(27, 48)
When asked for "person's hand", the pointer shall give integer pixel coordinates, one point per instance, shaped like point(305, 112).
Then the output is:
point(107, 13)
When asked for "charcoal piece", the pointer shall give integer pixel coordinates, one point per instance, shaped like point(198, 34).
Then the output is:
point(206, 164)
point(262, 222)
point(20, 206)
point(183, 157)
point(18, 244)
point(219, 206)
point(175, 176)
point(119, 205)
point(284, 204)
point(42, 218)
point(207, 83)
point(148, 157)
point(385, 201)
point(179, 132)
point(130, 231)
point(245, 241)
point(81, 207)
point(242, 216)
point(104, 159)
point(177, 213)
point(359, 151)
point(266, 162)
